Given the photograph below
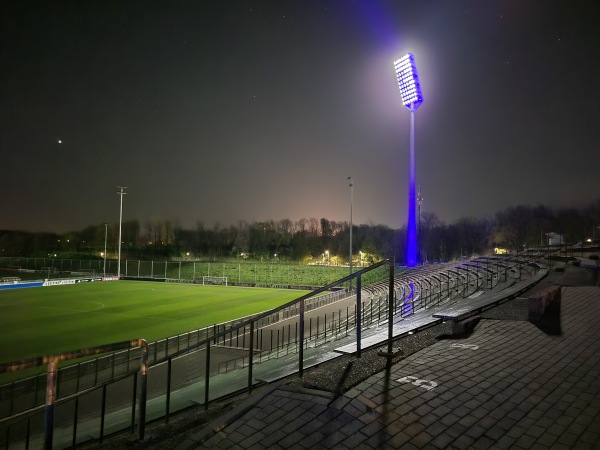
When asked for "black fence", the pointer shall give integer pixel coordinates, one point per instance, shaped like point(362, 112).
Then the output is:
point(101, 396)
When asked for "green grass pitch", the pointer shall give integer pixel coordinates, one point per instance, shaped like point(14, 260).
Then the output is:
point(50, 320)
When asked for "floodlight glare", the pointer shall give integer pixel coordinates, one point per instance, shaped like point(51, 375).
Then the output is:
point(408, 82)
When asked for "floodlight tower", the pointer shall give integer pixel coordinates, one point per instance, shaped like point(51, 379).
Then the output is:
point(120, 192)
point(412, 97)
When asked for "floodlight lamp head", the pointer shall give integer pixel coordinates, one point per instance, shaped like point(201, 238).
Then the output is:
point(408, 82)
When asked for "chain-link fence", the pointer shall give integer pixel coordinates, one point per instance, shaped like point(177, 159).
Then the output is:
point(271, 274)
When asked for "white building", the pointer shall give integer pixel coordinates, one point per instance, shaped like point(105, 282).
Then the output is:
point(554, 239)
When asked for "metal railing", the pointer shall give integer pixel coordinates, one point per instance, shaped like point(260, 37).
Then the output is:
point(23, 394)
point(99, 397)
point(92, 397)
point(52, 362)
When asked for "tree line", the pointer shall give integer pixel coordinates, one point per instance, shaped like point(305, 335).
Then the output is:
point(313, 240)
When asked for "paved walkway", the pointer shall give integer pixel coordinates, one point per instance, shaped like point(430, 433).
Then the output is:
point(510, 384)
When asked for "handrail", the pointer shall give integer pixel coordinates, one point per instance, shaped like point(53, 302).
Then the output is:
point(301, 300)
point(51, 361)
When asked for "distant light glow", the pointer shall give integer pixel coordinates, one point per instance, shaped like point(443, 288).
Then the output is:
point(408, 82)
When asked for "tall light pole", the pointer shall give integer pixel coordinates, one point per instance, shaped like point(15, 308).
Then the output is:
point(351, 201)
point(412, 97)
point(419, 211)
point(121, 192)
point(105, 236)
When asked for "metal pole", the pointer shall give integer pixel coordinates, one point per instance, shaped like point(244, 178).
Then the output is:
point(301, 343)
point(50, 401)
point(250, 356)
point(102, 413)
point(121, 192)
point(390, 310)
point(134, 397)
point(207, 372)
point(351, 202)
point(75, 414)
point(105, 237)
point(411, 258)
point(358, 316)
point(168, 399)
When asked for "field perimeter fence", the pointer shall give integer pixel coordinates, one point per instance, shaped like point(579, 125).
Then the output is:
point(268, 274)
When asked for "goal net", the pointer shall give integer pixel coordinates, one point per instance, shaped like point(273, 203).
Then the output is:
point(214, 280)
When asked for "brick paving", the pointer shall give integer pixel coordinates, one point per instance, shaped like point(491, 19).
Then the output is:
point(509, 384)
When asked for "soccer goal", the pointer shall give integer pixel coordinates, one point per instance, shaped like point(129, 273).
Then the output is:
point(214, 280)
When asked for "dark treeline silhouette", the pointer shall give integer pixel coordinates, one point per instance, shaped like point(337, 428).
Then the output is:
point(314, 240)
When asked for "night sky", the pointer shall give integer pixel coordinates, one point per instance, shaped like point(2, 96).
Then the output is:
point(220, 111)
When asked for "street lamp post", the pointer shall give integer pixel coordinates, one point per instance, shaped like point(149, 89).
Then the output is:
point(412, 97)
point(351, 201)
point(120, 192)
point(105, 236)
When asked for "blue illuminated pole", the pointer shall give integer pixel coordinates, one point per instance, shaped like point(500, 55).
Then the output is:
point(411, 247)
point(412, 97)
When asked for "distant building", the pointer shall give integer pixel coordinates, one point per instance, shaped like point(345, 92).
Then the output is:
point(554, 239)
